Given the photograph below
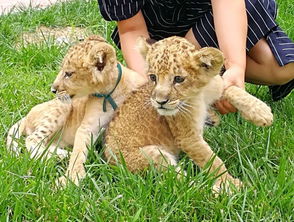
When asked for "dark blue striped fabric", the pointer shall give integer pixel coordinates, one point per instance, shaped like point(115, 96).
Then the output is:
point(166, 18)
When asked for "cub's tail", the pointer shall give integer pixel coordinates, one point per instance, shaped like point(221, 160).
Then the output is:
point(14, 134)
point(251, 108)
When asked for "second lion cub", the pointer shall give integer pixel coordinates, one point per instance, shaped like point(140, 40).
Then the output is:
point(89, 83)
point(167, 115)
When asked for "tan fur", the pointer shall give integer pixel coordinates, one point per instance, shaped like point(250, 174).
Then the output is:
point(142, 132)
point(92, 65)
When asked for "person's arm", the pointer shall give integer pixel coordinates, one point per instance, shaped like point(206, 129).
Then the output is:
point(230, 21)
point(129, 31)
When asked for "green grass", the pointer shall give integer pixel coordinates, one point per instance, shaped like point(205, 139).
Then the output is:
point(262, 158)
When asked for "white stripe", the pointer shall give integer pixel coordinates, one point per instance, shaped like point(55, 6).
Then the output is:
point(285, 49)
point(207, 32)
point(157, 32)
point(184, 26)
point(269, 16)
point(163, 25)
point(286, 43)
point(209, 22)
point(122, 11)
point(197, 9)
point(115, 35)
point(150, 22)
point(253, 33)
point(201, 35)
point(179, 13)
point(203, 3)
point(190, 19)
point(114, 10)
point(257, 12)
point(276, 51)
point(250, 42)
point(137, 6)
point(130, 9)
point(255, 22)
point(290, 54)
point(275, 10)
point(105, 9)
point(191, 15)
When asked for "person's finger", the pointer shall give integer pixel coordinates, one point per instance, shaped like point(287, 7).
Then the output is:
point(228, 106)
point(220, 107)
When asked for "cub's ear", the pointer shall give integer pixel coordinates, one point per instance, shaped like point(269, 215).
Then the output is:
point(209, 58)
point(95, 38)
point(101, 55)
point(143, 45)
point(100, 60)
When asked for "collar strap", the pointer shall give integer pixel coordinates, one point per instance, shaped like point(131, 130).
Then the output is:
point(107, 97)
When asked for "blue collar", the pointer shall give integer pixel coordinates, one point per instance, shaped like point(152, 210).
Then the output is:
point(107, 97)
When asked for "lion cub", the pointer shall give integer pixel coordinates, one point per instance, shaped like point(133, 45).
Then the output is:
point(89, 67)
point(167, 115)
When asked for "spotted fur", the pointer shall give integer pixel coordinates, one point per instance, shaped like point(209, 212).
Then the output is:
point(167, 115)
point(77, 116)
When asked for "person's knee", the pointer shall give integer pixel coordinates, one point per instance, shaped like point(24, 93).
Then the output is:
point(282, 80)
point(282, 74)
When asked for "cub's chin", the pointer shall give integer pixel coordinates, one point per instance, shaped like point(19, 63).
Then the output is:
point(64, 98)
point(167, 112)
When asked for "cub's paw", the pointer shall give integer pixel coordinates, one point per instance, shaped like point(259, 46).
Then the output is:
point(250, 107)
point(260, 114)
point(61, 182)
point(227, 186)
point(73, 176)
point(39, 152)
point(212, 118)
point(62, 153)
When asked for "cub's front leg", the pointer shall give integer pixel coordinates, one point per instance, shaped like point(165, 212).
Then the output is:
point(200, 152)
point(189, 138)
point(251, 108)
point(88, 131)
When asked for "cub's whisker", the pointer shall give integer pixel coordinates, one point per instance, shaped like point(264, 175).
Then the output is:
point(184, 110)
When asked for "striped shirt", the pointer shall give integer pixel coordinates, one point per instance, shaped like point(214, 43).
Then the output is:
point(166, 18)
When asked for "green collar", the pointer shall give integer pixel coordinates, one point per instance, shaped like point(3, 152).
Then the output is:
point(107, 97)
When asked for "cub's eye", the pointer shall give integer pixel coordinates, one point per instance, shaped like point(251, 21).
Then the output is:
point(68, 74)
point(179, 79)
point(152, 77)
point(204, 65)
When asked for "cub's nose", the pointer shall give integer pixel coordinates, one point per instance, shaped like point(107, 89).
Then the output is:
point(162, 102)
point(54, 90)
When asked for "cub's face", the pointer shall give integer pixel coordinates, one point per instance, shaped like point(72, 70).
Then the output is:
point(178, 72)
point(88, 67)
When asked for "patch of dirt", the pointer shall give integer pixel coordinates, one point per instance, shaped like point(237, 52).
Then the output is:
point(58, 36)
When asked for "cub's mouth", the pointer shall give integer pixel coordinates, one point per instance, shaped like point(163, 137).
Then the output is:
point(64, 97)
point(165, 109)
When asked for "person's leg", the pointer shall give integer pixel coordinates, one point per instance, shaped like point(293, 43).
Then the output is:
point(263, 68)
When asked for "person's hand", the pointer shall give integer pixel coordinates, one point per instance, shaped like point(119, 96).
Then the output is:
point(233, 76)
